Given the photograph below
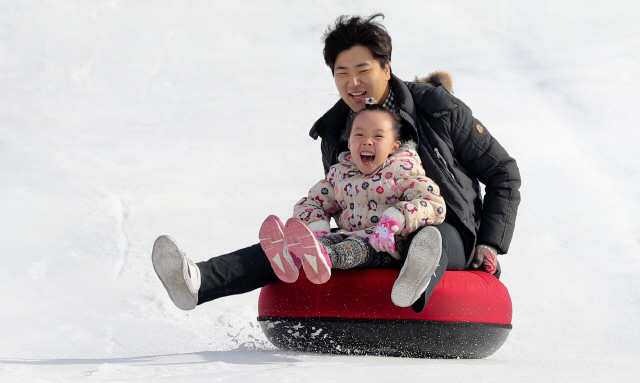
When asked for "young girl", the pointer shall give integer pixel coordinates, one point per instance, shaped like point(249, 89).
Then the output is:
point(378, 193)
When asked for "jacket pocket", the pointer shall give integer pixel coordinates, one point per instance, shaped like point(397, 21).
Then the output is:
point(444, 163)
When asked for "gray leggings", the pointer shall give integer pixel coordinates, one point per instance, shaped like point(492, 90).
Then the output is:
point(356, 252)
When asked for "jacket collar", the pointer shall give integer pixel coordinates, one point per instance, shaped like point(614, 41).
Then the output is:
point(433, 99)
point(405, 105)
point(333, 122)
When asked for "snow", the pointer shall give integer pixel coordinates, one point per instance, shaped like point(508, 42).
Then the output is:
point(121, 121)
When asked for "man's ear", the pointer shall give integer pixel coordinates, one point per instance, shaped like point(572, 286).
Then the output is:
point(387, 70)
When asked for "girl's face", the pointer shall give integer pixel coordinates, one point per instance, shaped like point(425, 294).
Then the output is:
point(372, 141)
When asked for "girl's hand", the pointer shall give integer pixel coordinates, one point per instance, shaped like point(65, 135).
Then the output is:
point(383, 237)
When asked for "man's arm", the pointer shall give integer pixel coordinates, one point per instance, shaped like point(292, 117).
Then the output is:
point(484, 158)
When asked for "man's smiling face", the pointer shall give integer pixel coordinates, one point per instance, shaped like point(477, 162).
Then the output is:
point(358, 75)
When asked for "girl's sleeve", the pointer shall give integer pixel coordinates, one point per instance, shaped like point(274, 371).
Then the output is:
point(423, 205)
point(320, 204)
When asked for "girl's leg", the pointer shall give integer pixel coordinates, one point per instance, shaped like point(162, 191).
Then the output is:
point(330, 239)
point(355, 252)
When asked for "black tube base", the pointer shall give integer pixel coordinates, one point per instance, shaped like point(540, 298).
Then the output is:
point(403, 338)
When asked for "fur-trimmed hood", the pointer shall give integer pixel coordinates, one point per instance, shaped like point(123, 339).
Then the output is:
point(437, 78)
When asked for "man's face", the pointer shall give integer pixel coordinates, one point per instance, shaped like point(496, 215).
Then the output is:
point(358, 75)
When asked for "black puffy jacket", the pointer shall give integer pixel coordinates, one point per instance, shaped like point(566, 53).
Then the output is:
point(457, 152)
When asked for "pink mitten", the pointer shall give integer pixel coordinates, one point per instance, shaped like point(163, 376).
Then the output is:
point(383, 237)
point(319, 234)
point(487, 257)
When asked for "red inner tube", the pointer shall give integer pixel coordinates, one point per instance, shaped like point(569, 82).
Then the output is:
point(461, 296)
point(467, 316)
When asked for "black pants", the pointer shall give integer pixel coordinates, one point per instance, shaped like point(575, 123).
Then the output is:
point(248, 269)
point(452, 258)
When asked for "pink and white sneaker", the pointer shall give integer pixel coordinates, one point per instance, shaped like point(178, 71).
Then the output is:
point(302, 242)
point(285, 265)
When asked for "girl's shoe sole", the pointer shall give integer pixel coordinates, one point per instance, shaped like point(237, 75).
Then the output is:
point(273, 244)
point(301, 242)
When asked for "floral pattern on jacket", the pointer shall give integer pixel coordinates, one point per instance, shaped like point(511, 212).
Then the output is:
point(359, 200)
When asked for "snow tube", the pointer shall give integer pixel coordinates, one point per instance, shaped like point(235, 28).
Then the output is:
point(467, 316)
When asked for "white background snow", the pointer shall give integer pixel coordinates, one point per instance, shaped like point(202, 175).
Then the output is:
point(124, 120)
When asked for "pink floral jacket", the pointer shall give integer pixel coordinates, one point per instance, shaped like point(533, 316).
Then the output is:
point(359, 201)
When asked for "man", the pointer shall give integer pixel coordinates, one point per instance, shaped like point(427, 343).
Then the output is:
point(456, 150)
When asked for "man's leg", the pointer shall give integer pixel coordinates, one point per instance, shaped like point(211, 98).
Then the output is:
point(189, 284)
point(178, 274)
point(452, 258)
point(238, 272)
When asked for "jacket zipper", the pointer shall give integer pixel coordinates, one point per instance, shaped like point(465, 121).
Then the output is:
point(444, 162)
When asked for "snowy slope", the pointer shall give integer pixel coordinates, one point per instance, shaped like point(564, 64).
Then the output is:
point(121, 121)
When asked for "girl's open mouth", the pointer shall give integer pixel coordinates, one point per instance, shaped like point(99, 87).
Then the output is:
point(367, 158)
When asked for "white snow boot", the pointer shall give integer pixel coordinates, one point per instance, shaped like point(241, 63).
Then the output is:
point(179, 275)
point(422, 260)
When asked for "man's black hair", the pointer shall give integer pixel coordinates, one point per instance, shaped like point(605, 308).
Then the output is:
point(349, 31)
point(395, 119)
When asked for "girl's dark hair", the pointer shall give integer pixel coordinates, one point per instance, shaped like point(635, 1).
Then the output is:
point(349, 31)
point(395, 119)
